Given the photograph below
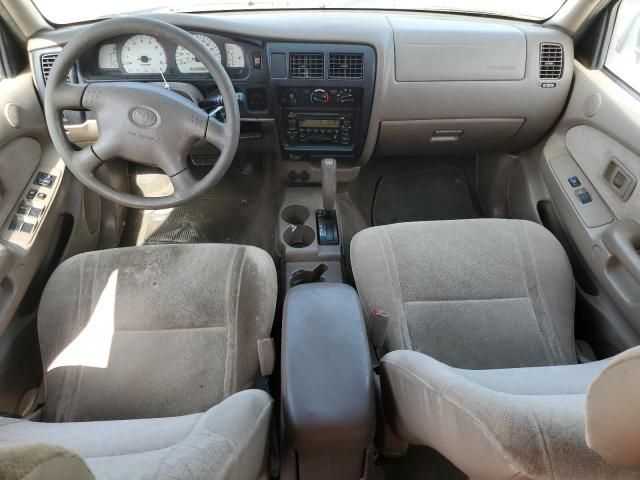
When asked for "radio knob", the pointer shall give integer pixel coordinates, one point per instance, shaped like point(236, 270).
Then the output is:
point(319, 95)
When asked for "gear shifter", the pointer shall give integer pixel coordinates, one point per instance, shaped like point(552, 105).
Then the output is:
point(326, 219)
point(329, 182)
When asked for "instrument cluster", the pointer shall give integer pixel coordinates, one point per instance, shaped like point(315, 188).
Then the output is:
point(151, 56)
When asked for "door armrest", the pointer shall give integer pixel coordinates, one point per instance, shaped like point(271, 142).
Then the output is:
point(7, 260)
point(622, 239)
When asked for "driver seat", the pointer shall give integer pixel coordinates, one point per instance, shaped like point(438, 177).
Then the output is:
point(149, 356)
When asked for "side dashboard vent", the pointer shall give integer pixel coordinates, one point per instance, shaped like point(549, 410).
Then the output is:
point(551, 61)
point(46, 64)
point(306, 65)
point(345, 65)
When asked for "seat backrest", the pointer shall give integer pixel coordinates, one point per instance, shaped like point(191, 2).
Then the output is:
point(613, 411)
point(478, 294)
point(153, 331)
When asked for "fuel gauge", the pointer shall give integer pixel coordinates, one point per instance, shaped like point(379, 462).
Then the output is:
point(108, 57)
point(235, 57)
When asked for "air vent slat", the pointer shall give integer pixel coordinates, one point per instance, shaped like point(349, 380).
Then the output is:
point(306, 65)
point(46, 64)
point(551, 61)
point(345, 65)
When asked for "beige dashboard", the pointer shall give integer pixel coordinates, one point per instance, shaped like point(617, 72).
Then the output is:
point(421, 98)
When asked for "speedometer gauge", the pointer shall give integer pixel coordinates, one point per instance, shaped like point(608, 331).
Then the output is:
point(143, 54)
point(188, 63)
point(235, 57)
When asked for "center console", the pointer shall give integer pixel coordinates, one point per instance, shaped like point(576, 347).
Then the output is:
point(328, 391)
point(320, 117)
point(324, 94)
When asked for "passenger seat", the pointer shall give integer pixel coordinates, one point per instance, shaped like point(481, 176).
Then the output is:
point(493, 294)
point(482, 293)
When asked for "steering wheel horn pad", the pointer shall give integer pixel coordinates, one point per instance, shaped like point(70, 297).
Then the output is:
point(141, 122)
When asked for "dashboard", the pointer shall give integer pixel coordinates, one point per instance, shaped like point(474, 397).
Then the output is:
point(352, 84)
point(140, 56)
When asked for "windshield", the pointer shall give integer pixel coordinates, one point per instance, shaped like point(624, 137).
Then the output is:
point(73, 11)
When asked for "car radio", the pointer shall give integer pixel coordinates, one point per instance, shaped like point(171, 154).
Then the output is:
point(317, 121)
point(319, 128)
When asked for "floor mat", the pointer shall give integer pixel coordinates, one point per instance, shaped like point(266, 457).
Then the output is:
point(241, 209)
point(438, 194)
point(199, 221)
point(419, 463)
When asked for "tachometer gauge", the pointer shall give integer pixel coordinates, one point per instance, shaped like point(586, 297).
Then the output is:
point(188, 63)
point(143, 54)
point(235, 57)
point(108, 57)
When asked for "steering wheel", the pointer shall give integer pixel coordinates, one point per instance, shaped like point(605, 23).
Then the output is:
point(140, 122)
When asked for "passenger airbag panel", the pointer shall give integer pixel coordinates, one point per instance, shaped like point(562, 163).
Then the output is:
point(443, 50)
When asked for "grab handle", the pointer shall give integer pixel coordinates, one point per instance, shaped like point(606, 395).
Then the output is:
point(622, 239)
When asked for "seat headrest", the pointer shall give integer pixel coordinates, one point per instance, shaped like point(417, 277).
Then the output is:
point(613, 411)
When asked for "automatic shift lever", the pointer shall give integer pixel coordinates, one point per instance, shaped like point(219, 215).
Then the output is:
point(329, 183)
point(326, 220)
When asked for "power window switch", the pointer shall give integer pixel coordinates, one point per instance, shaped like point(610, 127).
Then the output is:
point(15, 224)
point(27, 227)
point(41, 196)
point(23, 209)
point(35, 212)
point(32, 194)
point(574, 182)
point(584, 196)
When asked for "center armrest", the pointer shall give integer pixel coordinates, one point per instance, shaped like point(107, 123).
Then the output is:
point(328, 398)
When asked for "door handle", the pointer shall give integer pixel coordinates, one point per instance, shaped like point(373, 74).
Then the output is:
point(446, 135)
point(622, 239)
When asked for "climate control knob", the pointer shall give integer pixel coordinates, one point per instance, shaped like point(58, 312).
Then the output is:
point(319, 95)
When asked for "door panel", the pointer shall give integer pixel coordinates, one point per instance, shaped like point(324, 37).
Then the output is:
point(15, 175)
point(596, 152)
point(25, 153)
point(598, 136)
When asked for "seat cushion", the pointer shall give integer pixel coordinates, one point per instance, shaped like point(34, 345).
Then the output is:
point(524, 423)
point(483, 293)
point(40, 461)
point(228, 441)
point(153, 331)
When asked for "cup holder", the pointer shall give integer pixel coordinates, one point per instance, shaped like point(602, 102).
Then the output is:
point(302, 276)
point(295, 214)
point(299, 236)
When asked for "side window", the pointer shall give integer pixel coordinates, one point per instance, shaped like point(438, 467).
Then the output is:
point(12, 55)
point(623, 57)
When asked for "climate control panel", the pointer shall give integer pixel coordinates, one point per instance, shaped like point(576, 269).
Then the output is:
point(319, 97)
point(320, 121)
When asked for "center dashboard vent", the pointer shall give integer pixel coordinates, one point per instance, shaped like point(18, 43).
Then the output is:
point(551, 61)
point(345, 65)
point(46, 64)
point(306, 65)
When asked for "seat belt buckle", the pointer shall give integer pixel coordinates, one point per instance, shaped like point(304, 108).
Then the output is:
point(266, 356)
point(380, 326)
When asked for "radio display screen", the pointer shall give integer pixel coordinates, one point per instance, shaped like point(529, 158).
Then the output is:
point(319, 123)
